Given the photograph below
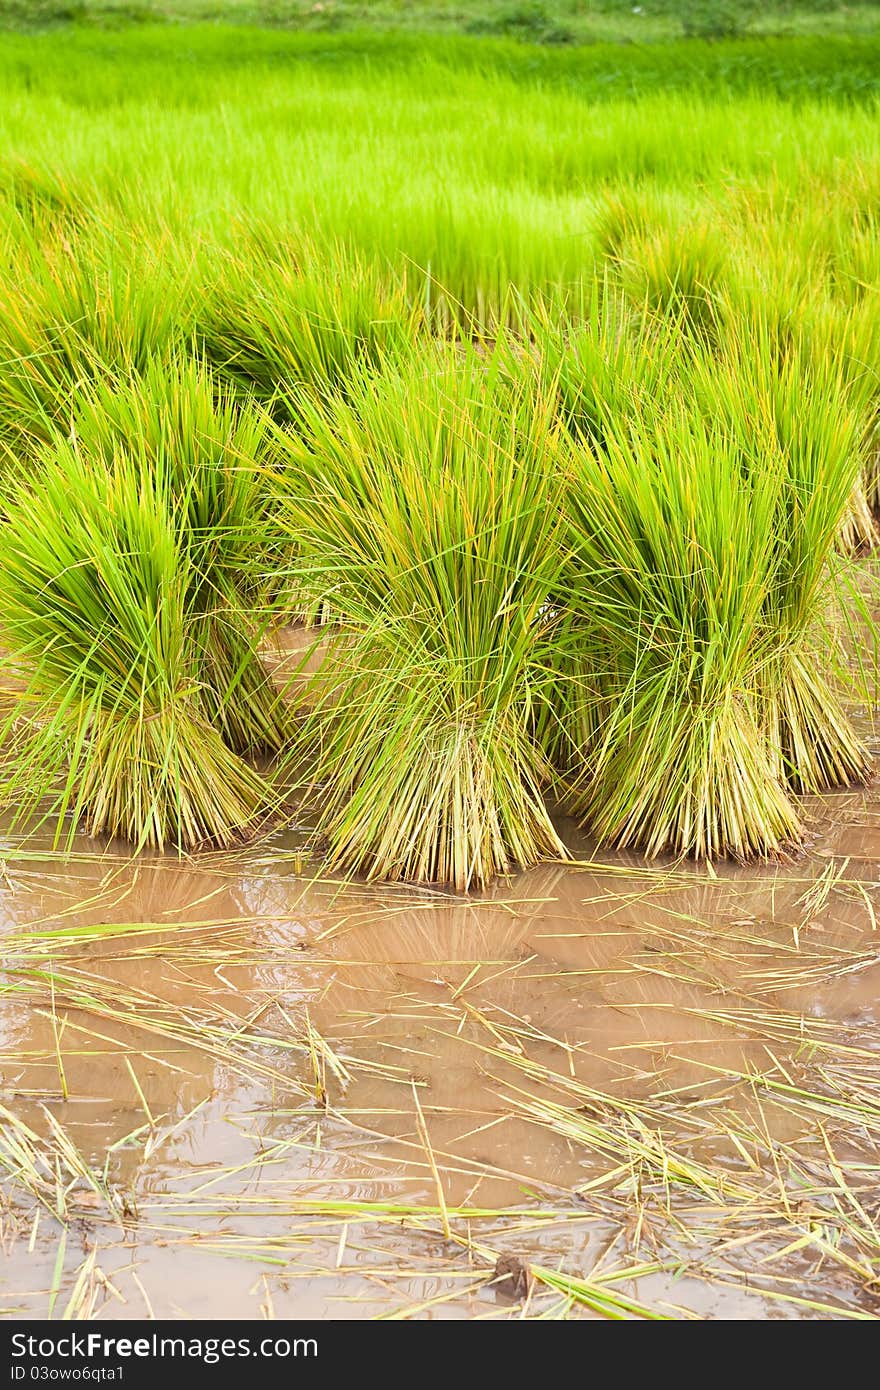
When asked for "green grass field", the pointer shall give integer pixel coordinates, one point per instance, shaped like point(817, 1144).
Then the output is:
point(555, 23)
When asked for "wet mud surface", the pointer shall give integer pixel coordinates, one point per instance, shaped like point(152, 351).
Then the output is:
point(232, 1088)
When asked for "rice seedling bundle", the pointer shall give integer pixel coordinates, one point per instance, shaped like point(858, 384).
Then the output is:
point(790, 276)
point(794, 410)
point(667, 595)
point(42, 198)
point(280, 316)
point(212, 454)
point(846, 332)
point(75, 309)
point(612, 359)
point(599, 371)
point(124, 568)
point(697, 685)
point(675, 270)
point(426, 508)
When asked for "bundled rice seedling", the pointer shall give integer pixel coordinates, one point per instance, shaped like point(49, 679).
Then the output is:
point(426, 506)
point(848, 335)
point(667, 592)
point(76, 309)
point(697, 672)
point(788, 277)
point(213, 454)
point(676, 272)
point(103, 585)
point(667, 256)
point(790, 410)
point(599, 371)
point(611, 359)
point(43, 198)
point(282, 316)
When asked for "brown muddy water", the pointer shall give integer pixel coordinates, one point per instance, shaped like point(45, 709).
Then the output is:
point(234, 1089)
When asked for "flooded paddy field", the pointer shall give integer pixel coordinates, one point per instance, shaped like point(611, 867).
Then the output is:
point(565, 431)
point(234, 1089)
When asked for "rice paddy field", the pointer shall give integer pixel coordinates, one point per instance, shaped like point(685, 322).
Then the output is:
point(439, 843)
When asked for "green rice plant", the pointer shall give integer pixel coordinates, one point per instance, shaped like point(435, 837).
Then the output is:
point(667, 254)
point(789, 286)
point(849, 334)
point(855, 271)
point(287, 316)
point(674, 270)
point(699, 675)
point(75, 310)
point(102, 575)
point(628, 213)
point(212, 453)
point(604, 362)
point(43, 198)
point(846, 337)
point(425, 505)
point(667, 640)
point(600, 369)
point(789, 409)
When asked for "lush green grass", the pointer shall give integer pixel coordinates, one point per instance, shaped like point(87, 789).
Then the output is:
point(93, 66)
point(472, 166)
point(553, 23)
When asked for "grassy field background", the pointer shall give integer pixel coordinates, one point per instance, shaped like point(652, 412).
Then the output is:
point(550, 22)
point(487, 164)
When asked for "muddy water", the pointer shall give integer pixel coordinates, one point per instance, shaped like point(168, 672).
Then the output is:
point(245, 1051)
